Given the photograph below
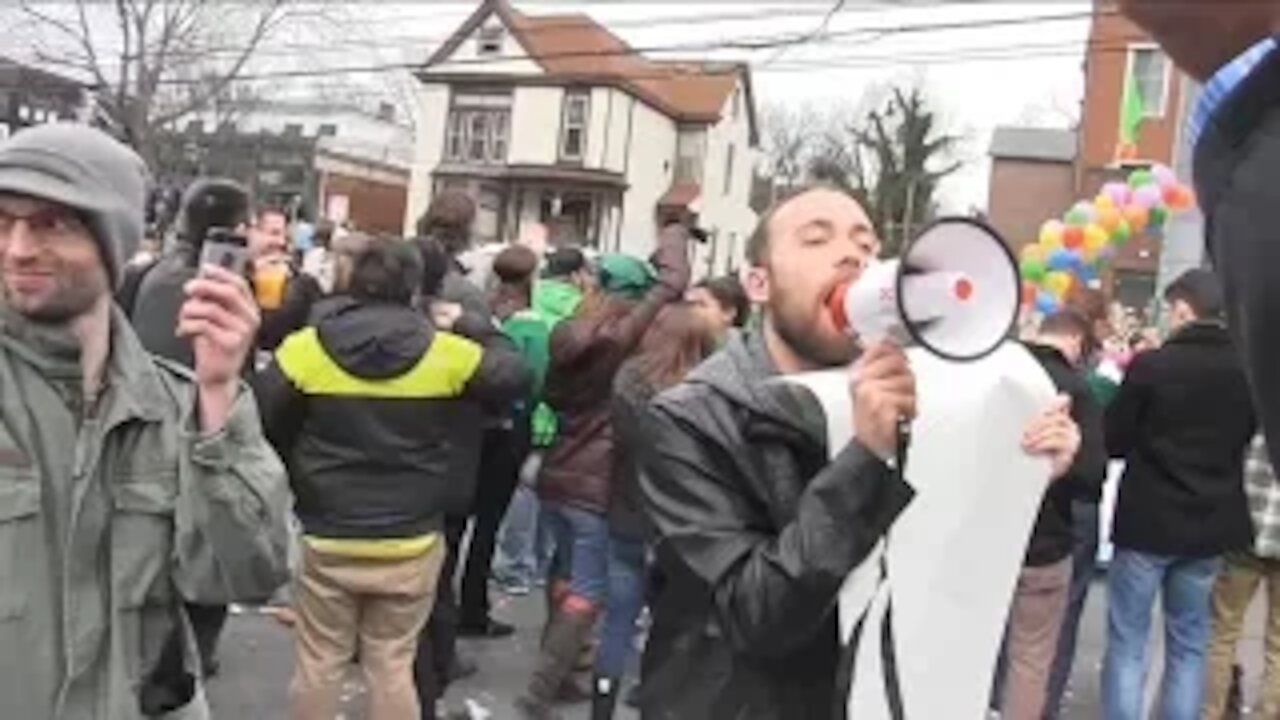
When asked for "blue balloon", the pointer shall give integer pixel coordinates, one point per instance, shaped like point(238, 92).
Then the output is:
point(1089, 273)
point(1046, 303)
point(1060, 259)
point(1077, 261)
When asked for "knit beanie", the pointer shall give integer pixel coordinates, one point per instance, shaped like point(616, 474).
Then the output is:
point(84, 169)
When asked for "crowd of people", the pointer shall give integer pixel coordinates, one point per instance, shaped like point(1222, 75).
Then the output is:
point(358, 420)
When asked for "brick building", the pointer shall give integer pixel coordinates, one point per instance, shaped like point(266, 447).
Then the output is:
point(1025, 182)
point(1033, 177)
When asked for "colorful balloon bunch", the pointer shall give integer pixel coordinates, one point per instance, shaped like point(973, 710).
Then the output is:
point(1073, 251)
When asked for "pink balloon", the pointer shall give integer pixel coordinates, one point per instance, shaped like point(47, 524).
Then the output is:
point(1148, 196)
point(1118, 191)
point(1164, 176)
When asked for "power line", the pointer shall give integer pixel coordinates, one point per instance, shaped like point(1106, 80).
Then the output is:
point(543, 26)
point(780, 41)
point(1006, 53)
point(763, 42)
point(816, 32)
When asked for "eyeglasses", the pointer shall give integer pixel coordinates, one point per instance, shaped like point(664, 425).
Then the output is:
point(50, 225)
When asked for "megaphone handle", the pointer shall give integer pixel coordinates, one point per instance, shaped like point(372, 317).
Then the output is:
point(903, 445)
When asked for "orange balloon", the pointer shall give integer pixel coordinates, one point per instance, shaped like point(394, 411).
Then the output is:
point(1109, 219)
point(1183, 198)
point(1170, 194)
point(1138, 217)
point(1073, 236)
point(1029, 292)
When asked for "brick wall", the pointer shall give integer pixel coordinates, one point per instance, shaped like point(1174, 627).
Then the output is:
point(374, 206)
point(1026, 193)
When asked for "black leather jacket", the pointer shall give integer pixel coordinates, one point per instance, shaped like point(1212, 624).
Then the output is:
point(757, 531)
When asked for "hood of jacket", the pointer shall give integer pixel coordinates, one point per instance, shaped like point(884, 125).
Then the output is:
point(555, 300)
point(1049, 355)
point(743, 373)
point(1201, 332)
point(373, 340)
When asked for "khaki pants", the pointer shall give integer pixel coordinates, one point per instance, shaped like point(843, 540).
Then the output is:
point(1232, 592)
point(377, 606)
point(1035, 621)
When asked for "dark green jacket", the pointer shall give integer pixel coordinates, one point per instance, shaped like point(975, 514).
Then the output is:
point(553, 302)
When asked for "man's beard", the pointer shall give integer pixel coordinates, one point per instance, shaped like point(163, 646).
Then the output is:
point(70, 301)
point(801, 335)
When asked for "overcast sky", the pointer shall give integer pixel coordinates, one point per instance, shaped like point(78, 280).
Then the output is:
point(984, 63)
point(980, 76)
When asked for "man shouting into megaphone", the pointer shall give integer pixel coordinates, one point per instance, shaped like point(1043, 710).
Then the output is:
point(759, 520)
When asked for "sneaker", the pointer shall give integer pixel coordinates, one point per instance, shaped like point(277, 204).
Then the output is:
point(514, 588)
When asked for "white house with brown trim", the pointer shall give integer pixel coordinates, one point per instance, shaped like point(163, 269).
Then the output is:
point(554, 119)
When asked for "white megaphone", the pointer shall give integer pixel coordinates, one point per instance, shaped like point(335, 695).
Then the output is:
point(954, 292)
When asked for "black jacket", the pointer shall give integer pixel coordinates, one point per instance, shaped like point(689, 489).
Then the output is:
point(152, 296)
point(757, 530)
point(1237, 175)
point(1182, 422)
point(377, 416)
point(1051, 540)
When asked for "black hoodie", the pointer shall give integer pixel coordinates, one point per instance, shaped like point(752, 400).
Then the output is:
point(377, 416)
point(1051, 541)
point(758, 530)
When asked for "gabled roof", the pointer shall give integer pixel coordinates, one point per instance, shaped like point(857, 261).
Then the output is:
point(577, 48)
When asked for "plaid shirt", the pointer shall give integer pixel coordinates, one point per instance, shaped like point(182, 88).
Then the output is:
point(1223, 82)
point(1264, 500)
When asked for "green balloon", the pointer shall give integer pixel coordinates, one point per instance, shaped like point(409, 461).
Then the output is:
point(1122, 233)
point(1140, 178)
point(1159, 214)
point(1033, 269)
point(1076, 217)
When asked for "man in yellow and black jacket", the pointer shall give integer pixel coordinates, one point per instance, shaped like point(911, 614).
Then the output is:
point(377, 415)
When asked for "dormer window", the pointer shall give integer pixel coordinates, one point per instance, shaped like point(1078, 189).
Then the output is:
point(489, 41)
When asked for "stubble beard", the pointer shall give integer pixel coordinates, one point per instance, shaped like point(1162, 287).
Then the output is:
point(70, 300)
point(803, 337)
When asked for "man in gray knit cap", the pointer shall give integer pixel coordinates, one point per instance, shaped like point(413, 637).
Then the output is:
point(127, 484)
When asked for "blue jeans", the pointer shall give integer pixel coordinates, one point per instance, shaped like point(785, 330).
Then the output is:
point(1084, 554)
point(581, 555)
point(1185, 586)
point(524, 543)
point(626, 600)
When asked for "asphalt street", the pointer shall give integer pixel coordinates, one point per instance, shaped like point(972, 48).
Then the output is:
point(257, 662)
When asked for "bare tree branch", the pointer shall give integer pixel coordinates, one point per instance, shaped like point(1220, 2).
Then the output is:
point(266, 23)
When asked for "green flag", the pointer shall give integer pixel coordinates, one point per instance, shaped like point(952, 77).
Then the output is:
point(1131, 111)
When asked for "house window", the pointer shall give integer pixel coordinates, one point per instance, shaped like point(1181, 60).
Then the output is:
point(455, 136)
point(489, 41)
point(478, 137)
point(690, 148)
point(728, 170)
point(573, 135)
point(479, 129)
point(1150, 69)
